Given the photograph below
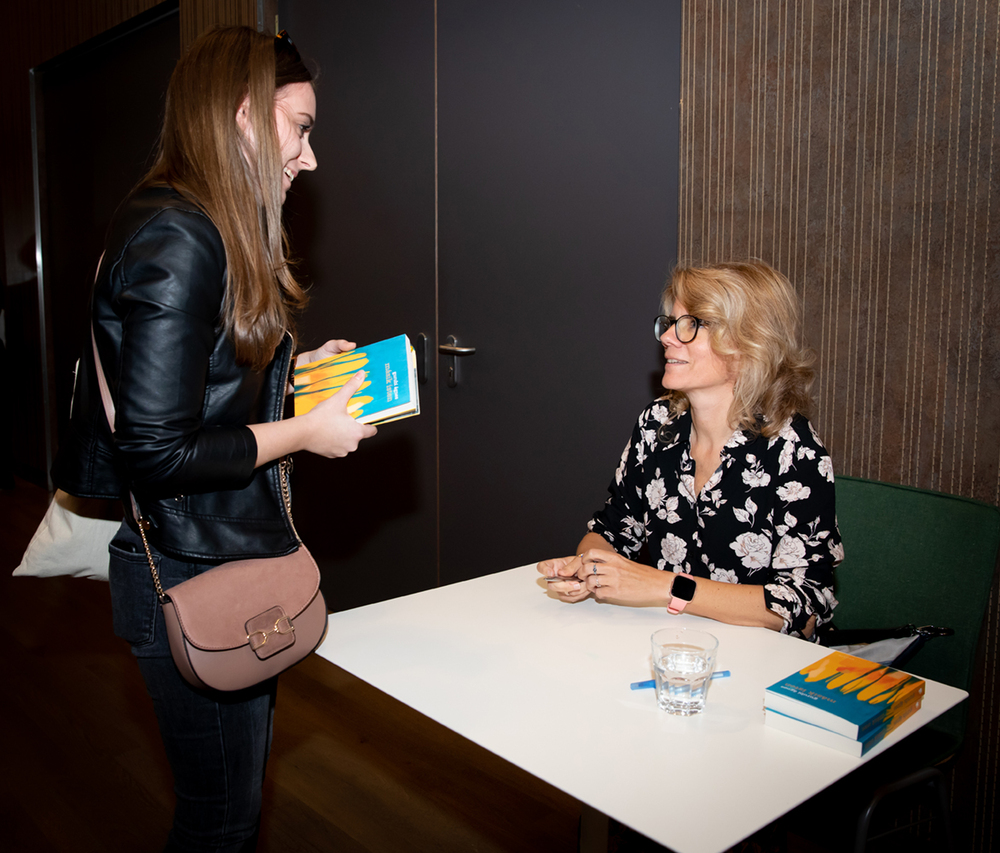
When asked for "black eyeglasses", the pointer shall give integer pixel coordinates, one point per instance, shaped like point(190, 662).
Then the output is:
point(282, 43)
point(686, 327)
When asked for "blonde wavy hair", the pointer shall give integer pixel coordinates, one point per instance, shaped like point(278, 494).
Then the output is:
point(206, 157)
point(752, 318)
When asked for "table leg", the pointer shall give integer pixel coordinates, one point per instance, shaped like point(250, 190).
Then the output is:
point(593, 831)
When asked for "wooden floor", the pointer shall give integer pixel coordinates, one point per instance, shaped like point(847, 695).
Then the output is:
point(82, 769)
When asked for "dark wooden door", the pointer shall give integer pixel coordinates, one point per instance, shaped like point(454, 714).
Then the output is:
point(94, 131)
point(504, 173)
point(558, 202)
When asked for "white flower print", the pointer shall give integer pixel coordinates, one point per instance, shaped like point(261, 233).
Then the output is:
point(634, 528)
point(789, 553)
point(805, 453)
point(687, 487)
point(786, 457)
point(655, 493)
point(825, 468)
point(669, 511)
point(837, 550)
point(623, 464)
point(660, 413)
point(753, 549)
point(782, 592)
point(788, 433)
point(737, 438)
point(748, 513)
point(674, 549)
point(755, 475)
point(793, 491)
point(724, 575)
point(784, 613)
point(789, 523)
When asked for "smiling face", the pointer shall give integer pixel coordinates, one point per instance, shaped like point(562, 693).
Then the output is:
point(294, 116)
point(694, 368)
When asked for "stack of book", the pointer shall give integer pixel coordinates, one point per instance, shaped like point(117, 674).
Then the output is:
point(843, 702)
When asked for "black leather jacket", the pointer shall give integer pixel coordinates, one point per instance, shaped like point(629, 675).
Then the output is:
point(181, 439)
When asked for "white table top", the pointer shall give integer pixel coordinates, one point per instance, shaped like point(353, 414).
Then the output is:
point(545, 685)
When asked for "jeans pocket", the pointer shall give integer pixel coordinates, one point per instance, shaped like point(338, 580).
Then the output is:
point(133, 597)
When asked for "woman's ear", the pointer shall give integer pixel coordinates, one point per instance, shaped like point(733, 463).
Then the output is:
point(243, 116)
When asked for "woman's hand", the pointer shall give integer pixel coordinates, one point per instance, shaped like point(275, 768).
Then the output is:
point(328, 350)
point(326, 430)
point(613, 578)
point(572, 589)
point(332, 432)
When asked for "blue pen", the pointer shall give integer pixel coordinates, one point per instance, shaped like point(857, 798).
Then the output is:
point(642, 685)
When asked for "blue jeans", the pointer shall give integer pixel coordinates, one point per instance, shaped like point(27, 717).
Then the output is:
point(217, 743)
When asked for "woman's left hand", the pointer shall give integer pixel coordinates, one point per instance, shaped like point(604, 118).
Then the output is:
point(328, 350)
point(612, 578)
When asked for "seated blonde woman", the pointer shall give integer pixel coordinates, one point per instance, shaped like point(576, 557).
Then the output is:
point(723, 503)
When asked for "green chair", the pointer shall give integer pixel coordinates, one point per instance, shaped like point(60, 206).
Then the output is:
point(926, 558)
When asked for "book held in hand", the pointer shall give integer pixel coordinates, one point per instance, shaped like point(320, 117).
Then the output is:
point(388, 393)
point(856, 699)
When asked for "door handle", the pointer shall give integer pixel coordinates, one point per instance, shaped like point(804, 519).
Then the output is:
point(451, 349)
point(454, 352)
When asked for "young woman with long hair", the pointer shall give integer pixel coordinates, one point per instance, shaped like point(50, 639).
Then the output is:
point(193, 313)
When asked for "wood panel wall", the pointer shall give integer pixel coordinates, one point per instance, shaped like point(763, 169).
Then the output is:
point(853, 144)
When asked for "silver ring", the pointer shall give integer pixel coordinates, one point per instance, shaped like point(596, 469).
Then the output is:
point(595, 568)
point(598, 584)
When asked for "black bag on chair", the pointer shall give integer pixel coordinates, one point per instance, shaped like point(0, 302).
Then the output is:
point(892, 646)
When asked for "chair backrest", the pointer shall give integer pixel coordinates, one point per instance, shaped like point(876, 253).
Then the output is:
point(912, 555)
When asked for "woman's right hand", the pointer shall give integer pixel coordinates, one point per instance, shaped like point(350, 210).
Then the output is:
point(332, 431)
point(326, 430)
point(570, 590)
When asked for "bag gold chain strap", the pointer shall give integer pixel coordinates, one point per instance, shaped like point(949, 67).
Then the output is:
point(143, 522)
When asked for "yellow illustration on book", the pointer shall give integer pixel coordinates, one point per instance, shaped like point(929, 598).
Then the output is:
point(873, 683)
point(327, 377)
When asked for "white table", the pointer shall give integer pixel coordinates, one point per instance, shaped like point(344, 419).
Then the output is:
point(545, 685)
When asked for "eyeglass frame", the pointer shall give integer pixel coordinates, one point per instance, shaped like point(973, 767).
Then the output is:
point(670, 322)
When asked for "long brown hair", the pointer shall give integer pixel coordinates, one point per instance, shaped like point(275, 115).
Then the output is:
point(752, 319)
point(205, 156)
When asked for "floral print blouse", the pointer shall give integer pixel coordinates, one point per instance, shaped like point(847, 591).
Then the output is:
point(766, 516)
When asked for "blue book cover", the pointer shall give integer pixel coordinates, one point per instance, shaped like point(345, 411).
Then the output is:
point(846, 695)
point(825, 737)
point(389, 392)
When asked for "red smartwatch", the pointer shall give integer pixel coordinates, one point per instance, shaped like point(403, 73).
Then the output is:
point(681, 592)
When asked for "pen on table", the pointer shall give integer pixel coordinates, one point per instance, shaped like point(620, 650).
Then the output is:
point(642, 685)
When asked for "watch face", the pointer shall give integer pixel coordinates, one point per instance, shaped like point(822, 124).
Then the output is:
point(683, 588)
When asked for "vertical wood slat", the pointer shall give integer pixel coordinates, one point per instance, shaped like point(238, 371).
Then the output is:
point(198, 16)
point(859, 155)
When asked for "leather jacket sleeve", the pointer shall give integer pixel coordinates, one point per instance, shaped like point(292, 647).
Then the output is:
point(182, 402)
